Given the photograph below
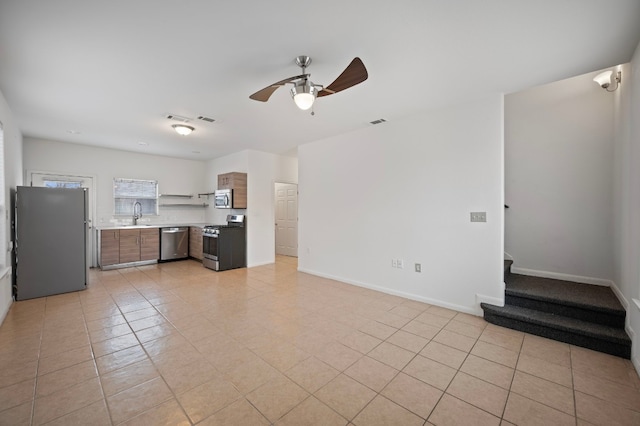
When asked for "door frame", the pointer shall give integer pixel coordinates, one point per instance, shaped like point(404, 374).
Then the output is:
point(275, 211)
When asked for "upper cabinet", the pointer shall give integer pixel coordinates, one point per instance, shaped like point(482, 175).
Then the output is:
point(238, 182)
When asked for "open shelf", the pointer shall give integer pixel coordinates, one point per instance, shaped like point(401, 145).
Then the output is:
point(183, 205)
point(176, 195)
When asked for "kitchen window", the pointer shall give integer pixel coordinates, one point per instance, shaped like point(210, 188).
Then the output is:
point(56, 183)
point(128, 192)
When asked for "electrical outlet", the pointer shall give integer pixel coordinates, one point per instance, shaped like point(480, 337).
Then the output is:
point(400, 264)
point(478, 216)
point(418, 267)
point(394, 263)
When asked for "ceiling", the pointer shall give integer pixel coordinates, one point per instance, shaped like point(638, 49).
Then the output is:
point(106, 73)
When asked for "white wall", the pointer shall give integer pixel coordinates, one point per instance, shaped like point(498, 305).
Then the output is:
point(174, 176)
point(626, 238)
point(404, 190)
point(558, 179)
point(12, 178)
point(263, 170)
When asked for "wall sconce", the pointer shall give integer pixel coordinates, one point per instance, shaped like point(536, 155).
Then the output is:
point(604, 80)
point(183, 129)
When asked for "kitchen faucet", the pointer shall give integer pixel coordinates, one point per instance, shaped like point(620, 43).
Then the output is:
point(137, 212)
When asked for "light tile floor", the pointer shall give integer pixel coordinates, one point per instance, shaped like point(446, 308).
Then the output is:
point(178, 344)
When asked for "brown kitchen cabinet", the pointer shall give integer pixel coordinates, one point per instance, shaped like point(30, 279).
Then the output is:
point(128, 245)
point(109, 247)
point(195, 242)
point(238, 182)
point(149, 244)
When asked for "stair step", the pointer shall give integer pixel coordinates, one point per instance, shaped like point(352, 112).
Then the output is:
point(585, 302)
point(598, 337)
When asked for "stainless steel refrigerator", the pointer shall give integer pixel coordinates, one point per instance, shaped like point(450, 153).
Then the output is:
point(50, 241)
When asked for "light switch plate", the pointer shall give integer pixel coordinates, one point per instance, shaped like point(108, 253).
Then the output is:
point(478, 216)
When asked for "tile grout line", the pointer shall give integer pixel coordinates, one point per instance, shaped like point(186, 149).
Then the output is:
point(573, 385)
point(151, 359)
point(35, 384)
point(95, 363)
point(142, 291)
point(515, 370)
point(444, 392)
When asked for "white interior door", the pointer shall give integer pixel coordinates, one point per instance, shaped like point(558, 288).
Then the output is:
point(71, 181)
point(286, 219)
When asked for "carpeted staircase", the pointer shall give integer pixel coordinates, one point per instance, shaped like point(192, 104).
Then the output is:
point(580, 314)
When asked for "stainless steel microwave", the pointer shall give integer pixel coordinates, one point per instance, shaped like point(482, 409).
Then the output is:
point(223, 198)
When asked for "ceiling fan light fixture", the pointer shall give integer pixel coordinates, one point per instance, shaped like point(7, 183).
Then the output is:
point(304, 94)
point(183, 129)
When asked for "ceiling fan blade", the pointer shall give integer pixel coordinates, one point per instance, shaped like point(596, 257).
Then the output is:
point(354, 74)
point(264, 94)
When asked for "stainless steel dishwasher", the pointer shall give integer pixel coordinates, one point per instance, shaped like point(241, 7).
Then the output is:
point(174, 243)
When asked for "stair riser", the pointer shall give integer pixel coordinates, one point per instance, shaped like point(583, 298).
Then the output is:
point(507, 269)
point(596, 317)
point(622, 351)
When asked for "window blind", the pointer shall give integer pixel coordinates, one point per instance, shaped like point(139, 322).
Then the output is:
point(127, 192)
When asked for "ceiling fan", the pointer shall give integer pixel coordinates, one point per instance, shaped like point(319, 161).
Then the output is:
point(304, 91)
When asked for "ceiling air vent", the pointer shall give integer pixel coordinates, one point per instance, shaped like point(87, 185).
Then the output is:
point(378, 121)
point(178, 118)
point(207, 119)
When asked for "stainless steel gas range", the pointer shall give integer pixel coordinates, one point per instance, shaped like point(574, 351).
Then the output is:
point(225, 246)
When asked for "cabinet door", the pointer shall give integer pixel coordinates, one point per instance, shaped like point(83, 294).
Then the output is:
point(109, 247)
point(149, 244)
point(195, 242)
point(239, 185)
point(238, 182)
point(224, 181)
point(129, 245)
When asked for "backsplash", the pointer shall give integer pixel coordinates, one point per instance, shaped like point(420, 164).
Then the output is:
point(168, 215)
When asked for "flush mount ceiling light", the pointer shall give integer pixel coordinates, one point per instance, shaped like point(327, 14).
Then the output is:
point(604, 80)
point(183, 129)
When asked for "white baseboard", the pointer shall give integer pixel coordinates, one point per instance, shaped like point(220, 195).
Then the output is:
point(497, 301)
point(623, 300)
point(5, 281)
point(635, 304)
point(507, 256)
point(465, 309)
point(559, 276)
point(253, 265)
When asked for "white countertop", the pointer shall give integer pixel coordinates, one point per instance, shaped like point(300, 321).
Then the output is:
point(150, 225)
